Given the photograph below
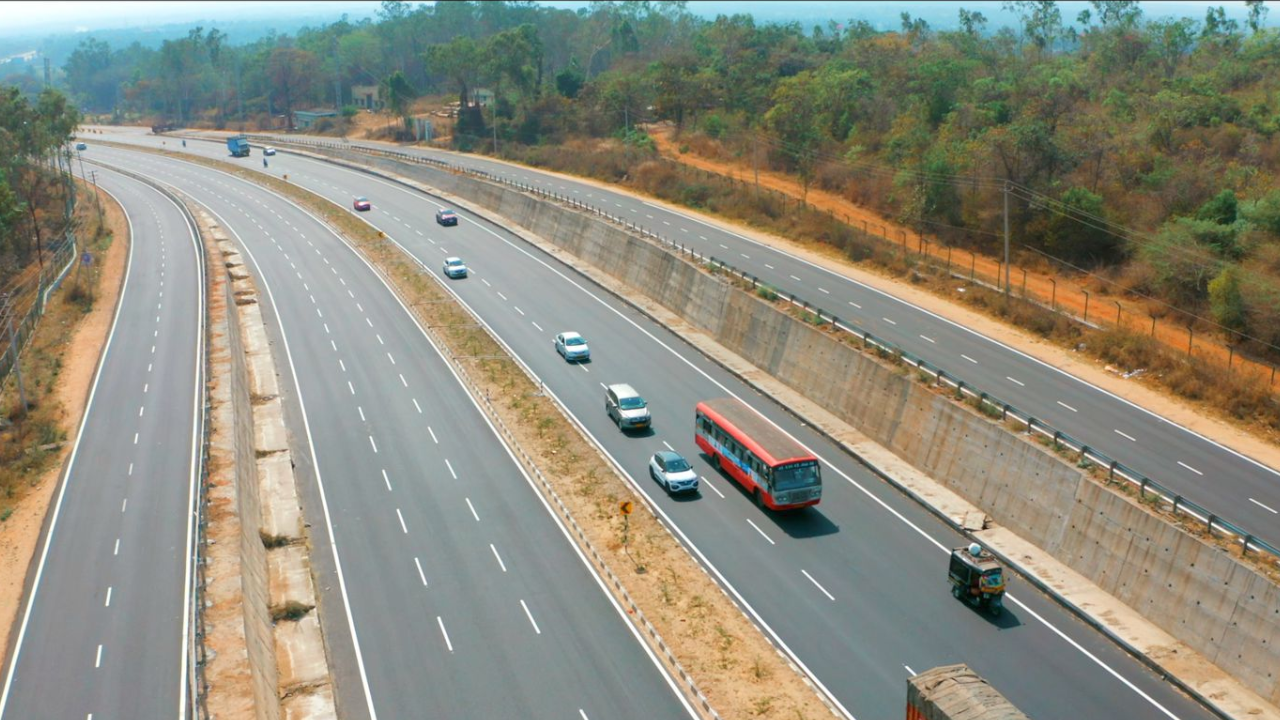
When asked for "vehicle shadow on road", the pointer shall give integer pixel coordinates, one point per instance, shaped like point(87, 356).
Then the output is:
point(807, 522)
point(1006, 620)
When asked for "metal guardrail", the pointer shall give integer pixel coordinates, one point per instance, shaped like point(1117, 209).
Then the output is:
point(984, 400)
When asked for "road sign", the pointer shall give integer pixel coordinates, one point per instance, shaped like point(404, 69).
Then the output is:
point(626, 507)
point(86, 259)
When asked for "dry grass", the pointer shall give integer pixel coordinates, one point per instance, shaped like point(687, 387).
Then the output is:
point(707, 633)
point(30, 439)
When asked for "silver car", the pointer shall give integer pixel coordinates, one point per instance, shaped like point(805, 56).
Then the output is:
point(626, 408)
point(572, 346)
point(673, 472)
point(455, 268)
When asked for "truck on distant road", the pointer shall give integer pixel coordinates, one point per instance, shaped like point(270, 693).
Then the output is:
point(238, 145)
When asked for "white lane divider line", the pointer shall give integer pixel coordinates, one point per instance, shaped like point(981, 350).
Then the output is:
point(403, 527)
point(818, 585)
point(433, 434)
point(499, 557)
point(130, 469)
point(472, 508)
point(723, 246)
point(517, 307)
point(108, 602)
point(450, 466)
point(1264, 507)
point(770, 266)
point(504, 297)
point(342, 365)
point(97, 663)
point(1067, 406)
point(445, 633)
point(537, 326)
point(486, 282)
point(361, 411)
point(421, 575)
point(393, 360)
point(713, 487)
point(373, 444)
point(1019, 383)
point(380, 340)
point(891, 322)
point(824, 290)
point(1190, 468)
point(402, 380)
point(664, 442)
point(116, 551)
point(351, 387)
point(966, 357)
point(926, 338)
point(855, 304)
point(908, 668)
point(386, 480)
point(757, 527)
point(1126, 436)
point(416, 405)
point(532, 622)
point(793, 277)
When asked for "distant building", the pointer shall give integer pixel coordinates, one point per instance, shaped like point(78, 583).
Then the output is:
point(367, 97)
point(482, 96)
point(304, 119)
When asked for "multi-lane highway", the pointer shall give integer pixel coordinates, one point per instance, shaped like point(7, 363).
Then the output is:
point(855, 590)
point(104, 631)
point(1230, 484)
point(452, 591)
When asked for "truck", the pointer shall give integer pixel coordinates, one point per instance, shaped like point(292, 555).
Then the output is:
point(238, 145)
point(955, 692)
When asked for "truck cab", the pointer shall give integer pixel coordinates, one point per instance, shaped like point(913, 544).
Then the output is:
point(238, 145)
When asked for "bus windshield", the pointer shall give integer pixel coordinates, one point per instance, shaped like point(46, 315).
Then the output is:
point(796, 475)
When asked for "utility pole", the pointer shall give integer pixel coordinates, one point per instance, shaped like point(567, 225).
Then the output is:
point(13, 353)
point(1006, 240)
point(495, 128)
point(755, 161)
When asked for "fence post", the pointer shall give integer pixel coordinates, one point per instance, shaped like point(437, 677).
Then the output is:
point(1191, 336)
point(973, 265)
point(1086, 305)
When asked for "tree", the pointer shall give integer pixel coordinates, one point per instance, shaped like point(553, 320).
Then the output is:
point(1257, 14)
point(1117, 13)
point(459, 62)
point(1221, 209)
point(1041, 21)
point(569, 81)
point(1225, 300)
point(291, 77)
point(791, 120)
point(398, 94)
point(972, 22)
point(1078, 233)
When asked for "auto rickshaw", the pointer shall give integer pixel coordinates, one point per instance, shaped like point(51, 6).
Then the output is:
point(977, 578)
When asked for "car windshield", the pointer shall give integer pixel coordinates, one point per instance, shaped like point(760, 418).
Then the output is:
point(360, 199)
point(631, 403)
point(677, 464)
point(796, 475)
point(571, 341)
point(446, 213)
point(455, 263)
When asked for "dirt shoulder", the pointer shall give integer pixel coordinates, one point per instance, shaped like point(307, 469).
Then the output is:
point(72, 339)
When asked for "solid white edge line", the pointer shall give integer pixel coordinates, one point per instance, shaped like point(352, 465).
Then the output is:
point(306, 424)
point(979, 335)
point(604, 588)
point(66, 475)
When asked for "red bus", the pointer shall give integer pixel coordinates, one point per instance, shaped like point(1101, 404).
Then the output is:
point(778, 472)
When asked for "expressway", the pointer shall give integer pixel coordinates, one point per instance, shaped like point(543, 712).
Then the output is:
point(448, 582)
point(855, 589)
point(1232, 485)
point(104, 632)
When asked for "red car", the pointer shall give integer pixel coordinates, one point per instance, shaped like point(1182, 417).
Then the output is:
point(361, 203)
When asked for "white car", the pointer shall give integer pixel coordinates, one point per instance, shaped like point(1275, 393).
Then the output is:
point(673, 472)
point(455, 268)
point(268, 150)
point(572, 347)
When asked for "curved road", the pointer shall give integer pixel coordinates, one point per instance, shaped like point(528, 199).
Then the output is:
point(103, 633)
point(856, 589)
point(451, 581)
point(1234, 486)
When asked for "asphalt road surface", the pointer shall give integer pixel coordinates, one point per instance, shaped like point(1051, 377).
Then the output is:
point(854, 589)
point(1235, 487)
point(459, 593)
point(103, 633)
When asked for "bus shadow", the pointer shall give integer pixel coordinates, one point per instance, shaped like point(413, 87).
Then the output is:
point(804, 523)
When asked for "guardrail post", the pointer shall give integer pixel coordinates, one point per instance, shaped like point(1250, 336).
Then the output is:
point(1057, 435)
point(1084, 453)
point(1111, 471)
point(1244, 547)
point(938, 378)
point(960, 391)
point(1209, 523)
point(1004, 412)
point(1176, 500)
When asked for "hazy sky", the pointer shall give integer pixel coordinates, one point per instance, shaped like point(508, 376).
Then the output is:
point(57, 16)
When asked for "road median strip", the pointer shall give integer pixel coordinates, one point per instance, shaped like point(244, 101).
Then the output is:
point(691, 623)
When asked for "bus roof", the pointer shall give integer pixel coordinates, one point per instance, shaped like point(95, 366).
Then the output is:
point(768, 442)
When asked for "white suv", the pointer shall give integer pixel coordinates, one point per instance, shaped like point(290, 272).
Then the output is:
point(628, 410)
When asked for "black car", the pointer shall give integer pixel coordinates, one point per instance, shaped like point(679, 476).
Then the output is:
point(446, 217)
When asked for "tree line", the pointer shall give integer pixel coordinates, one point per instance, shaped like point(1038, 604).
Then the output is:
point(1143, 149)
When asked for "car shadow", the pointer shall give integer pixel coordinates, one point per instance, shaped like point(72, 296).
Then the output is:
point(1006, 620)
point(641, 433)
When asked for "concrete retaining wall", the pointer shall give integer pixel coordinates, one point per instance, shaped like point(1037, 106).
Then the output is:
point(1195, 592)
